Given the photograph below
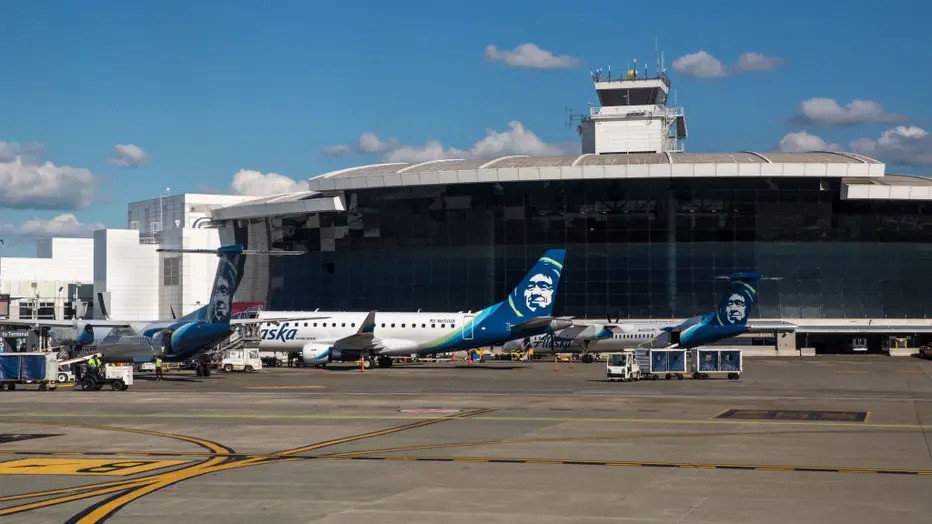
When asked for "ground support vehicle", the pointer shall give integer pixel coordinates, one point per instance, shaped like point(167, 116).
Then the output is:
point(246, 359)
point(622, 366)
point(118, 377)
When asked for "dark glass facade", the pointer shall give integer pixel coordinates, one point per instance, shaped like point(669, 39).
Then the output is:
point(635, 248)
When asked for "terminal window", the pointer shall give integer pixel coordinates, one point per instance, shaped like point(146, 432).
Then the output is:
point(171, 272)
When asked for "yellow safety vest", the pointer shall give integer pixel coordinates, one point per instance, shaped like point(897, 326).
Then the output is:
point(158, 362)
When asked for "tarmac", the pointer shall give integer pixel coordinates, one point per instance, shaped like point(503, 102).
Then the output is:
point(824, 439)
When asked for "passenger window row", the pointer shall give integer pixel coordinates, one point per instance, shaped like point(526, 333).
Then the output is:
point(353, 324)
point(414, 325)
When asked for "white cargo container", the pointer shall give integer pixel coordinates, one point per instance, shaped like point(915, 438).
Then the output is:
point(716, 362)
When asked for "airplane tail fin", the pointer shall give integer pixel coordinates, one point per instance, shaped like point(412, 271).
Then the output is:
point(738, 302)
point(227, 279)
point(535, 295)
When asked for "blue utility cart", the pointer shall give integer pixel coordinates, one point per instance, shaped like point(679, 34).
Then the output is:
point(28, 368)
point(705, 363)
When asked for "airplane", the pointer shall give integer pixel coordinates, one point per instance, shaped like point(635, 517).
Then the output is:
point(175, 340)
point(729, 320)
point(376, 336)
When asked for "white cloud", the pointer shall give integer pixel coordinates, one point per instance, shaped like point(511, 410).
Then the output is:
point(432, 150)
point(908, 145)
point(827, 112)
point(699, 65)
point(530, 56)
point(517, 140)
point(254, 183)
point(753, 61)
point(9, 151)
point(338, 150)
point(28, 183)
point(802, 141)
point(64, 225)
point(703, 65)
point(129, 156)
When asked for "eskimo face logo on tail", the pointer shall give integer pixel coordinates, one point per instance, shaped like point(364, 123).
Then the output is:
point(224, 287)
point(736, 308)
point(738, 303)
point(535, 294)
point(539, 292)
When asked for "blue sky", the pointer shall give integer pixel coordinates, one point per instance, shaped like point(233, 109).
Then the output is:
point(207, 89)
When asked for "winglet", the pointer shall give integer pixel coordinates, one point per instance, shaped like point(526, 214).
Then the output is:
point(368, 325)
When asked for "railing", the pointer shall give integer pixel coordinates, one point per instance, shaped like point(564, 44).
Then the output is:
point(669, 112)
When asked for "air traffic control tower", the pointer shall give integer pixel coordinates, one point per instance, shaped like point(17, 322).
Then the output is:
point(633, 116)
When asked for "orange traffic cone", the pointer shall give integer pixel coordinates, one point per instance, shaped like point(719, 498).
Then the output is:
point(452, 356)
point(571, 361)
point(555, 365)
point(362, 365)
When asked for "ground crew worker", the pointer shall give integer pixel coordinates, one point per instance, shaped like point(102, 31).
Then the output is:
point(93, 364)
point(158, 368)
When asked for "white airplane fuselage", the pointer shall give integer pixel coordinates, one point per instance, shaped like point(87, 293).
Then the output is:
point(394, 333)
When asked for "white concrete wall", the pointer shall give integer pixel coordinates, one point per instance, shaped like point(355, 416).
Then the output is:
point(60, 262)
point(129, 271)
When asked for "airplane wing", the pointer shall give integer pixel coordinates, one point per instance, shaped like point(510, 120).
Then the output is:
point(534, 323)
point(61, 323)
point(363, 338)
point(758, 326)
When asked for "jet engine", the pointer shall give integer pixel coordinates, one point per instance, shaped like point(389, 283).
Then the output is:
point(315, 353)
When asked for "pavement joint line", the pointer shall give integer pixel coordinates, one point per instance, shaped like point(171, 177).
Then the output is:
point(613, 463)
point(480, 417)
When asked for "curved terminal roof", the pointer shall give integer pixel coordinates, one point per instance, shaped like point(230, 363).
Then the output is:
point(588, 166)
point(863, 177)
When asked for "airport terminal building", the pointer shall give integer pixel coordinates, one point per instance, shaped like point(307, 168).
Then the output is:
point(647, 228)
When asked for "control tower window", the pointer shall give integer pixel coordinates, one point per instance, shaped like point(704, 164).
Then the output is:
point(632, 97)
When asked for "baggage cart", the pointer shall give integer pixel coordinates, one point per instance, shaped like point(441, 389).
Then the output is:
point(28, 368)
point(705, 363)
point(671, 363)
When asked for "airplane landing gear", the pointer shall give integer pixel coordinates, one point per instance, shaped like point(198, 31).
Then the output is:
point(202, 366)
point(587, 358)
point(385, 362)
